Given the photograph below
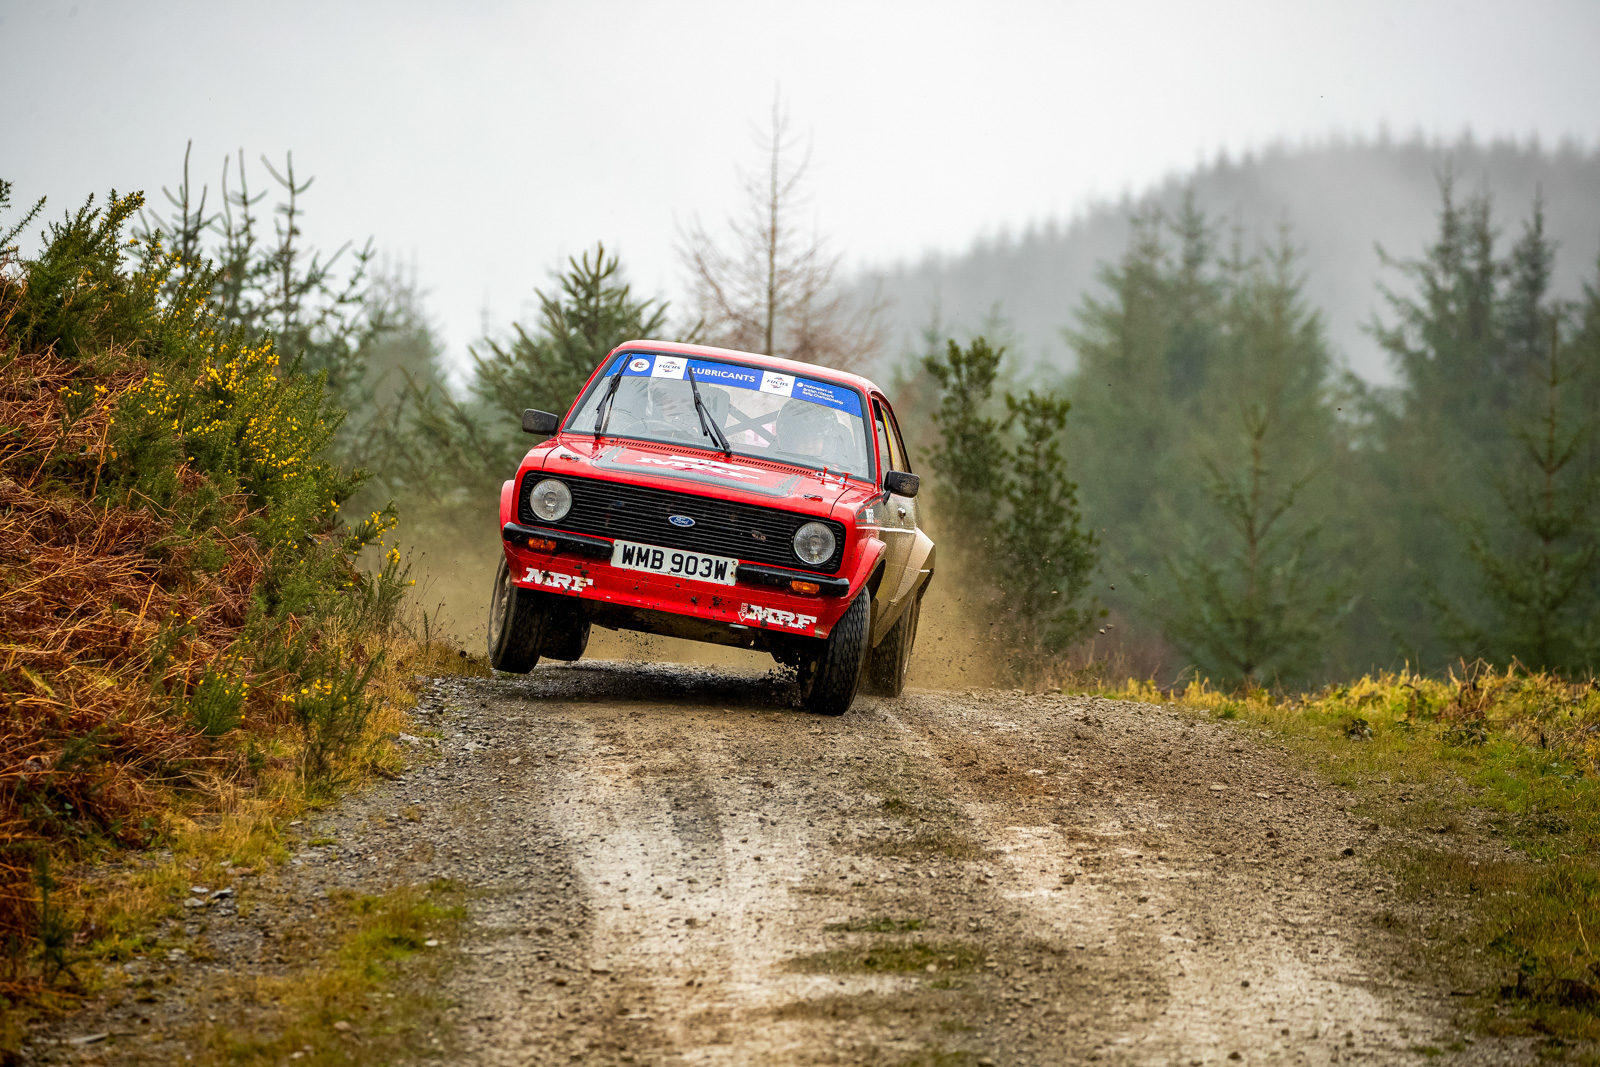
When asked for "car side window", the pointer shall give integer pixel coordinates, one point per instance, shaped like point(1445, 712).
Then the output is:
point(886, 460)
point(902, 458)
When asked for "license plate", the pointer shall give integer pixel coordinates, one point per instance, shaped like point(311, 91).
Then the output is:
point(674, 563)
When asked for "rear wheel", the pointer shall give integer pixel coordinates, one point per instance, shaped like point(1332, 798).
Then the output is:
point(829, 681)
point(887, 664)
point(514, 624)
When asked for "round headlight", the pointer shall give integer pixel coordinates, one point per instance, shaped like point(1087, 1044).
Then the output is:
point(550, 499)
point(813, 543)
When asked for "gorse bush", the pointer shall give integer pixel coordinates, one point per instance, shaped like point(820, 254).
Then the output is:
point(176, 584)
point(324, 312)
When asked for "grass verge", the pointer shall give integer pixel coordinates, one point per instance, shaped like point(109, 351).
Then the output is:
point(1495, 775)
point(370, 997)
point(113, 902)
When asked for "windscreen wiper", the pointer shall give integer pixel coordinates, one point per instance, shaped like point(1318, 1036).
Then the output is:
point(602, 410)
point(707, 423)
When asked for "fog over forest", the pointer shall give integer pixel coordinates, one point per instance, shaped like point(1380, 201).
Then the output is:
point(1341, 199)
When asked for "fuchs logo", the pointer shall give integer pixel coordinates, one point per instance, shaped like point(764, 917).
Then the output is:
point(668, 367)
point(680, 520)
point(641, 364)
point(781, 384)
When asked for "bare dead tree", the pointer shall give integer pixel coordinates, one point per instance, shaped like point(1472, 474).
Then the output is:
point(773, 288)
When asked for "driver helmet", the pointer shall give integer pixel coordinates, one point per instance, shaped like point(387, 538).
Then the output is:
point(804, 428)
point(671, 400)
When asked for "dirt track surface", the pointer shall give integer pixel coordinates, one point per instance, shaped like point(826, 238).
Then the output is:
point(683, 869)
point(670, 865)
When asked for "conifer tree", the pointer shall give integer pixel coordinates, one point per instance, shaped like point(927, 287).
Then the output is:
point(1045, 555)
point(1435, 442)
point(1535, 546)
point(323, 311)
point(1486, 447)
point(1253, 605)
point(1010, 510)
point(593, 312)
point(971, 452)
point(1524, 311)
point(435, 449)
point(1143, 351)
point(1251, 596)
point(1539, 581)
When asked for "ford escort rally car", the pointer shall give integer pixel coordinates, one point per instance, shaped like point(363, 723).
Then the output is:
point(718, 496)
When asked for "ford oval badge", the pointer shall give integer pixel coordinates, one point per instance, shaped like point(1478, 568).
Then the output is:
point(680, 520)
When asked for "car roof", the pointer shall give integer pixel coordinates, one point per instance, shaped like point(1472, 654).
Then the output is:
point(788, 366)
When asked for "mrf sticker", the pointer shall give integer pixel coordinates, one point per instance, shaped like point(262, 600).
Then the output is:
point(787, 620)
point(705, 466)
point(567, 583)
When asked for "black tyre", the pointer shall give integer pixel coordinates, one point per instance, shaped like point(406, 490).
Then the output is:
point(514, 624)
point(887, 664)
point(565, 632)
point(830, 680)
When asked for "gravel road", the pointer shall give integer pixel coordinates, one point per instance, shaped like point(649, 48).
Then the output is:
point(683, 869)
point(669, 864)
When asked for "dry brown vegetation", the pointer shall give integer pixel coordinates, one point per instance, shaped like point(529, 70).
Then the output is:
point(187, 644)
point(90, 650)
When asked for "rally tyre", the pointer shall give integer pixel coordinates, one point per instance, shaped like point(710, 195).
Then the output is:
point(515, 622)
point(837, 670)
point(887, 664)
point(565, 632)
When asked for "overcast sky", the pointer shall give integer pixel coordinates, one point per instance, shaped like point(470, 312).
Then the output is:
point(486, 141)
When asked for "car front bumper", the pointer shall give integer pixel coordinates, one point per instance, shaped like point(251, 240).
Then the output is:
point(551, 561)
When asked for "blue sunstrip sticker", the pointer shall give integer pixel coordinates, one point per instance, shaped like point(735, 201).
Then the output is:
point(726, 374)
point(817, 392)
point(828, 395)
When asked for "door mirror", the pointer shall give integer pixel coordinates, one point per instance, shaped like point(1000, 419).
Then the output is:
point(901, 484)
point(540, 422)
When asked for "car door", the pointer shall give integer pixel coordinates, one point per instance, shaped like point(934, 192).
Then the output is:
point(907, 550)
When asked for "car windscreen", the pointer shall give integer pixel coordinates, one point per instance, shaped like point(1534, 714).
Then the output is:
point(763, 414)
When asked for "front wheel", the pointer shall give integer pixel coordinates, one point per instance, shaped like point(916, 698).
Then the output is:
point(514, 624)
point(564, 633)
point(888, 663)
point(830, 680)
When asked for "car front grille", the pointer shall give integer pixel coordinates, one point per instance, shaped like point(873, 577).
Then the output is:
point(635, 513)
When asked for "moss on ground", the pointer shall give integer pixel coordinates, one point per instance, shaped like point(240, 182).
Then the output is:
point(893, 957)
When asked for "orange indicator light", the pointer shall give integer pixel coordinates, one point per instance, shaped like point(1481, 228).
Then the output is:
point(811, 588)
point(540, 542)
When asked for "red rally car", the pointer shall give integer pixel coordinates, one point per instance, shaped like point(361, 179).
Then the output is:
point(718, 496)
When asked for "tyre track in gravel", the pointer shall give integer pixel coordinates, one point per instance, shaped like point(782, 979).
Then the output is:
point(1228, 940)
point(1090, 880)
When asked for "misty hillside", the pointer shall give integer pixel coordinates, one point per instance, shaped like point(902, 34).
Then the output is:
point(1341, 200)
